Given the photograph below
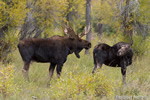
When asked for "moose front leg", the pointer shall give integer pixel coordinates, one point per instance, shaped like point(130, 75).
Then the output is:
point(59, 68)
point(123, 71)
point(25, 70)
point(51, 71)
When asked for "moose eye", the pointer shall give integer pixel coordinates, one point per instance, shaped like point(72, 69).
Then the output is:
point(80, 40)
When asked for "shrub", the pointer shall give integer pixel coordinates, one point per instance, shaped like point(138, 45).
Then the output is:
point(7, 45)
point(140, 44)
point(82, 86)
point(6, 80)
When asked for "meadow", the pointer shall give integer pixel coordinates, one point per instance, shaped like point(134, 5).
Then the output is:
point(77, 81)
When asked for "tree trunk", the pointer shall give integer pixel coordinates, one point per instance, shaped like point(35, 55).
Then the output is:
point(126, 22)
point(126, 16)
point(69, 14)
point(88, 22)
point(99, 30)
point(30, 29)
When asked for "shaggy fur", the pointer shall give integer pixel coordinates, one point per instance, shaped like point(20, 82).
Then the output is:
point(119, 55)
point(53, 50)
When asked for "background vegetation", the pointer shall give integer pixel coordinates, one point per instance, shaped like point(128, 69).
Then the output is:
point(112, 21)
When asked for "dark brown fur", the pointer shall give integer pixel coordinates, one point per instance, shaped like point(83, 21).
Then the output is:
point(119, 55)
point(52, 50)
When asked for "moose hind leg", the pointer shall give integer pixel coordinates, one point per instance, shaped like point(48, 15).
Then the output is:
point(25, 70)
point(96, 65)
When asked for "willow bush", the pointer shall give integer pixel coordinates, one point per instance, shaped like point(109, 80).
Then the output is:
point(6, 80)
point(7, 45)
point(140, 45)
point(82, 86)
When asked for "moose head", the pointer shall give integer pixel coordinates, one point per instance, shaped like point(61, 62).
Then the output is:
point(79, 43)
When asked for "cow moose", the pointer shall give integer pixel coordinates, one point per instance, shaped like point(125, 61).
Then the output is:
point(53, 50)
point(119, 55)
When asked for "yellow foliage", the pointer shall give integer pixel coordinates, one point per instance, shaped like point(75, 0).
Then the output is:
point(9, 42)
point(83, 85)
point(2, 13)
point(105, 10)
point(48, 12)
point(13, 13)
point(6, 78)
point(144, 13)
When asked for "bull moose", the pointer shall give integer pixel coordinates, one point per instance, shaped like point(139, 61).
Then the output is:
point(53, 50)
point(119, 55)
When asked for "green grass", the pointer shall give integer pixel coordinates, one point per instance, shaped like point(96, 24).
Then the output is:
point(77, 81)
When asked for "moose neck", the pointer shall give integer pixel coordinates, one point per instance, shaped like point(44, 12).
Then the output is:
point(71, 44)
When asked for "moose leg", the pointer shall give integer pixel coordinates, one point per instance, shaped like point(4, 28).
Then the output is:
point(98, 61)
point(25, 70)
point(51, 71)
point(97, 64)
point(59, 68)
point(123, 71)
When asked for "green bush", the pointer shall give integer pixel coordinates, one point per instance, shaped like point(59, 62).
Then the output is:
point(8, 44)
point(6, 80)
point(83, 86)
point(140, 44)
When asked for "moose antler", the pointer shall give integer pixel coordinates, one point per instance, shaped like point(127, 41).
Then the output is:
point(86, 30)
point(68, 30)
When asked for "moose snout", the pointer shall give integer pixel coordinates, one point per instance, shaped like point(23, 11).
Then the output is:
point(88, 46)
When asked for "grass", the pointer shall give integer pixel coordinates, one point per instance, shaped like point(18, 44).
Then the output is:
point(77, 81)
